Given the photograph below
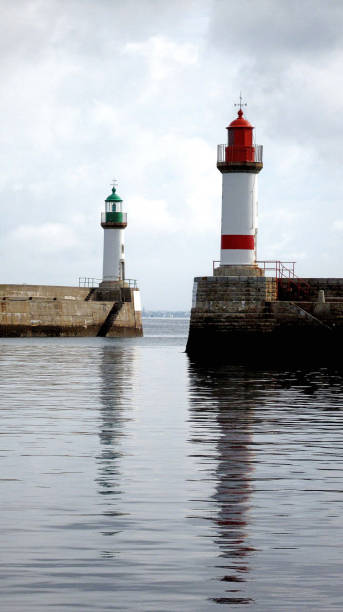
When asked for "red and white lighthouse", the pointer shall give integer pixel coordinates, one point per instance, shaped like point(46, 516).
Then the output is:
point(239, 161)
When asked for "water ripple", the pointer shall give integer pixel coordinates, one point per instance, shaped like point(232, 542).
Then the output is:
point(135, 479)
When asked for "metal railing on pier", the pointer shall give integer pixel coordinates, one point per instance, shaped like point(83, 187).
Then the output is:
point(279, 269)
point(270, 267)
point(289, 285)
point(89, 282)
point(128, 282)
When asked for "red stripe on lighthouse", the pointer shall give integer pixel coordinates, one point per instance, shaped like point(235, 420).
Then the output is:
point(234, 241)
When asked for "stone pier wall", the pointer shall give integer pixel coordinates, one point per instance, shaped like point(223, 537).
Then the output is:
point(221, 291)
point(42, 310)
point(332, 287)
point(246, 314)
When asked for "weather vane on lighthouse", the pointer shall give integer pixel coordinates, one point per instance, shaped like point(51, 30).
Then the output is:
point(240, 103)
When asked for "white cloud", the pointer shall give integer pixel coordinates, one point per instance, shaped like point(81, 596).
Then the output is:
point(338, 225)
point(45, 238)
point(163, 55)
point(151, 216)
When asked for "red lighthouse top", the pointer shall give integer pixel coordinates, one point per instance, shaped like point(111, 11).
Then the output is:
point(240, 140)
point(240, 154)
point(240, 122)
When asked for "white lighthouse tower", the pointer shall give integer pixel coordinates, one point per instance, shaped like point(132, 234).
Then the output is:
point(239, 161)
point(114, 222)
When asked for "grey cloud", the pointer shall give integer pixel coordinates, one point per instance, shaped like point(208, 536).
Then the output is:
point(77, 108)
point(272, 30)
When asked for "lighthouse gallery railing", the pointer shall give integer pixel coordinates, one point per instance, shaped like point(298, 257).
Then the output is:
point(257, 151)
point(113, 217)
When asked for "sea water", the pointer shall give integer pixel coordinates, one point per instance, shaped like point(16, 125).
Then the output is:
point(133, 478)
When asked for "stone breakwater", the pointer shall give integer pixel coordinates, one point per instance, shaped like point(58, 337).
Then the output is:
point(234, 315)
point(46, 310)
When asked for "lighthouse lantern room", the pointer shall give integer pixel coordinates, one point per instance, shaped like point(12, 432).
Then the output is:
point(239, 161)
point(113, 221)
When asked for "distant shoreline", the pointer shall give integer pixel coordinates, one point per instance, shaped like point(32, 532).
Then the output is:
point(166, 314)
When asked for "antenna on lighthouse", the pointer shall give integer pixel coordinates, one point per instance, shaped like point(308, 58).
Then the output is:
point(240, 103)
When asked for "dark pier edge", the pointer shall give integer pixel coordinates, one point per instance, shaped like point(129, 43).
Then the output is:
point(246, 319)
point(282, 345)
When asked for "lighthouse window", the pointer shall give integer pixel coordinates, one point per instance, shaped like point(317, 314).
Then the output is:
point(122, 248)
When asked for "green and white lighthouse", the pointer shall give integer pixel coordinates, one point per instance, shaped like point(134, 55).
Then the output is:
point(114, 222)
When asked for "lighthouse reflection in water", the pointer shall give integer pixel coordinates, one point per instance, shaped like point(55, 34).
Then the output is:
point(221, 411)
point(115, 392)
point(135, 479)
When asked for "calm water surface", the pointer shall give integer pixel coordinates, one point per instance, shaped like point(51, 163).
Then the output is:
point(134, 479)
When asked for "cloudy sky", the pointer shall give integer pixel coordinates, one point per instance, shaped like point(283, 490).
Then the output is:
point(141, 91)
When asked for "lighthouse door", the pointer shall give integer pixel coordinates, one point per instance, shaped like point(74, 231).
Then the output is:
point(122, 270)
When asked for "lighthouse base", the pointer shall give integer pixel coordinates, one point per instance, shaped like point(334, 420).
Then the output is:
point(238, 270)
